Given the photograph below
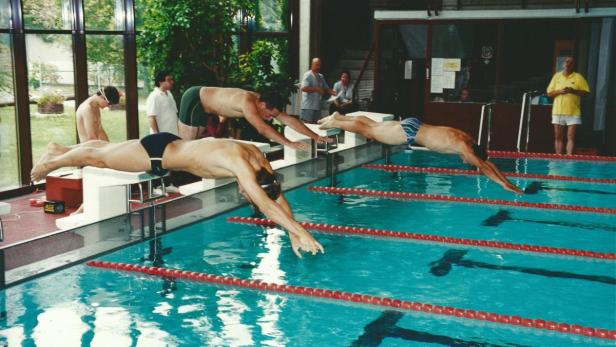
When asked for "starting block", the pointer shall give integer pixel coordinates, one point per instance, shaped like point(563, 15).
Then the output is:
point(5, 208)
point(106, 194)
point(292, 155)
point(332, 132)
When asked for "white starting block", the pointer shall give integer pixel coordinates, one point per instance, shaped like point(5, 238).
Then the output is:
point(106, 194)
point(332, 132)
point(211, 183)
point(5, 208)
point(291, 155)
point(353, 139)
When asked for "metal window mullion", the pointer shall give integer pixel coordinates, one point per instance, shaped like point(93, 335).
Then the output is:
point(130, 71)
point(80, 55)
point(20, 82)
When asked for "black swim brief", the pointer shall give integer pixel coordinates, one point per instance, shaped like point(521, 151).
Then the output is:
point(155, 145)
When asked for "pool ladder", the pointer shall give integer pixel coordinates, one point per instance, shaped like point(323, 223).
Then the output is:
point(525, 114)
point(487, 108)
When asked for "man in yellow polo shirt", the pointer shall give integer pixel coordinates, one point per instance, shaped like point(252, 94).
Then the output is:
point(567, 87)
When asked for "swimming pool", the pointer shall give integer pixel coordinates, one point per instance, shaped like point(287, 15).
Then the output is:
point(89, 306)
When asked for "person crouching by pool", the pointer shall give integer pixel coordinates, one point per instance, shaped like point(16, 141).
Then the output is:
point(207, 158)
point(440, 139)
point(198, 104)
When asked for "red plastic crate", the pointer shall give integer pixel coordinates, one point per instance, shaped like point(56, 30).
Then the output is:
point(65, 187)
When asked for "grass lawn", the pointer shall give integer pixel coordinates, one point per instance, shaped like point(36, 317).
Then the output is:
point(51, 128)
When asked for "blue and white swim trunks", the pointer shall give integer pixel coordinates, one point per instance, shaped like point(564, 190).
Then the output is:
point(410, 126)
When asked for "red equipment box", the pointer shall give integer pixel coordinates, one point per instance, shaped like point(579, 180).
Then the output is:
point(65, 187)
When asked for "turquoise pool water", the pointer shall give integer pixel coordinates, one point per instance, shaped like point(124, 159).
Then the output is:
point(83, 306)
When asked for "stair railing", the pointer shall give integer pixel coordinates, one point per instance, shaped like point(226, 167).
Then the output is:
point(361, 72)
point(525, 115)
point(486, 107)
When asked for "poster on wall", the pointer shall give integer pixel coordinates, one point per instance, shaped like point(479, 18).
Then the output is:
point(454, 64)
point(436, 84)
point(437, 66)
point(449, 80)
point(436, 80)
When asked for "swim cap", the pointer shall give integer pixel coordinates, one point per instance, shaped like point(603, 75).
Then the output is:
point(270, 184)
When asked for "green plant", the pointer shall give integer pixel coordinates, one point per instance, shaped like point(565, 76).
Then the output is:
point(50, 98)
point(264, 69)
point(192, 39)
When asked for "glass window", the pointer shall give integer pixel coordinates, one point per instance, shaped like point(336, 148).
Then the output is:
point(140, 7)
point(5, 13)
point(272, 15)
point(9, 160)
point(463, 64)
point(104, 14)
point(47, 14)
point(521, 71)
point(51, 90)
point(144, 76)
point(145, 85)
point(402, 66)
point(106, 68)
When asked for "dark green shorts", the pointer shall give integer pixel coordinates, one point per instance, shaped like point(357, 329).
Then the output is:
point(191, 109)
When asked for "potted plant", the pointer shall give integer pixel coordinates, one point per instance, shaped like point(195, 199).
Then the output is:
point(50, 103)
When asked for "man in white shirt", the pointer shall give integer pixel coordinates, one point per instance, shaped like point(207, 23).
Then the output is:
point(162, 113)
point(160, 106)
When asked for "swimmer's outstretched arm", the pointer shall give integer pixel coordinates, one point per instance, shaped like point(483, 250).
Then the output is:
point(301, 128)
point(491, 171)
point(279, 212)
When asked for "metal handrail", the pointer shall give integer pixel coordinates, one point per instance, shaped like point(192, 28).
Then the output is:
point(525, 112)
point(485, 107)
point(363, 69)
point(432, 5)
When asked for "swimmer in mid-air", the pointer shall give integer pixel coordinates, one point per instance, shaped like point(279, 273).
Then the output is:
point(207, 158)
point(440, 139)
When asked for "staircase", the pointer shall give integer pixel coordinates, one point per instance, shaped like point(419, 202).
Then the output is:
point(353, 60)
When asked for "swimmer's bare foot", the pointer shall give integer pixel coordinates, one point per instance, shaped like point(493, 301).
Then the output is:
point(327, 122)
point(338, 116)
point(39, 172)
point(41, 169)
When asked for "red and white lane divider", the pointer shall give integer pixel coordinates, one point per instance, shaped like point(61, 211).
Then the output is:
point(505, 154)
point(434, 238)
point(444, 170)
point(336, 295)
point(437, 197)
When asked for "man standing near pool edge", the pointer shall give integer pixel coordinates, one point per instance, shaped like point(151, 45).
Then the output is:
point(567, 87)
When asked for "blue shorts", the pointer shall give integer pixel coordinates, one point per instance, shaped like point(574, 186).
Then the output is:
point(310, 116)
point(410, 127)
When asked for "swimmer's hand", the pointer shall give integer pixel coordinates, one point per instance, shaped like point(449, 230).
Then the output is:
point(305, 243)
point(299, 145)
point(514, 189)
point(324, 139)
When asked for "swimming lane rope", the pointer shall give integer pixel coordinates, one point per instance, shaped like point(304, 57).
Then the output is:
point(383, 302)
point(438, 197)
point(444, 170)
point(434, 238)
point(505, 154)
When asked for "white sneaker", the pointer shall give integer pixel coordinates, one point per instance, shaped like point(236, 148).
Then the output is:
point(172, 189)
point(157, 191)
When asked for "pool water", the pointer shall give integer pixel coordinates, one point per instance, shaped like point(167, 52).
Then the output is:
point(88, 306)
